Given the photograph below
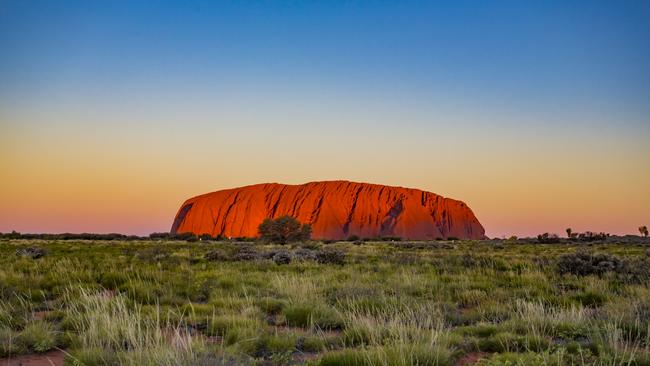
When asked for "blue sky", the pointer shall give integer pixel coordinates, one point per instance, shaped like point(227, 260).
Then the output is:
point(539, 53)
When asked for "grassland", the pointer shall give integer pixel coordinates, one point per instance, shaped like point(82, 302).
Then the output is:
point(375, 303)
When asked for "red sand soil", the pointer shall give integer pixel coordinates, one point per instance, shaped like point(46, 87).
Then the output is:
point(52, 358)
point(335, 210)
point(471, 358)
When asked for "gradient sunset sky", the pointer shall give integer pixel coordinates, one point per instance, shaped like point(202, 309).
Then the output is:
point(535, 113)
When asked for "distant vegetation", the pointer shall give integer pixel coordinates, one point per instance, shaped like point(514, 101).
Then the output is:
point(587, 236)
point(170, 302)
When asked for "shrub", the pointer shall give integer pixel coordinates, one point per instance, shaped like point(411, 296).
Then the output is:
point(331, 257)
point(31, 252)
point(547, 238)
point(590, 236)
point(584, 264)
point(636, 270)
point(245, 253)
point(160, 236)
point(282, 257)
point(284, 229)
point(152, 254)
point(303, 254)
point(215, 255)
point(205, 237)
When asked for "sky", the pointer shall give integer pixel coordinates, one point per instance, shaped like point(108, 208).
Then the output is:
point(534, 113)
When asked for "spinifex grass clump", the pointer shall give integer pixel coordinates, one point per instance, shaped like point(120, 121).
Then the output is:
point(108, 327)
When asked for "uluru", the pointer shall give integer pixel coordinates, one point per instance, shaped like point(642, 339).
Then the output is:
point(335, 210)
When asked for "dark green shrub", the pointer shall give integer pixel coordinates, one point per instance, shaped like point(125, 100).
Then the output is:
point(205, 237)
point(284, 229)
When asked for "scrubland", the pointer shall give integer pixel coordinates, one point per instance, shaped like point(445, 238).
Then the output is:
point(343, 303)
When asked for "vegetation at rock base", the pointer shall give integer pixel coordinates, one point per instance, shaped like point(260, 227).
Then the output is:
point(212, 302)
point(284, 229)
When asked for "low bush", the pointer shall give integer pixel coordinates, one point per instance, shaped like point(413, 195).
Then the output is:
point(245, 253)
point(282, 257)
point(31, 252)
point(547, 238)
point(330, 256)
point(589, 236)
point(583, 264)
point(152, 254)
point(216, 255)
point(304, 254)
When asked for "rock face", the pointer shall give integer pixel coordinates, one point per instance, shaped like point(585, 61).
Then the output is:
point(335, 210)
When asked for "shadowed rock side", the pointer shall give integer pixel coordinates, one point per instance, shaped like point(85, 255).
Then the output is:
point(335, 209)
